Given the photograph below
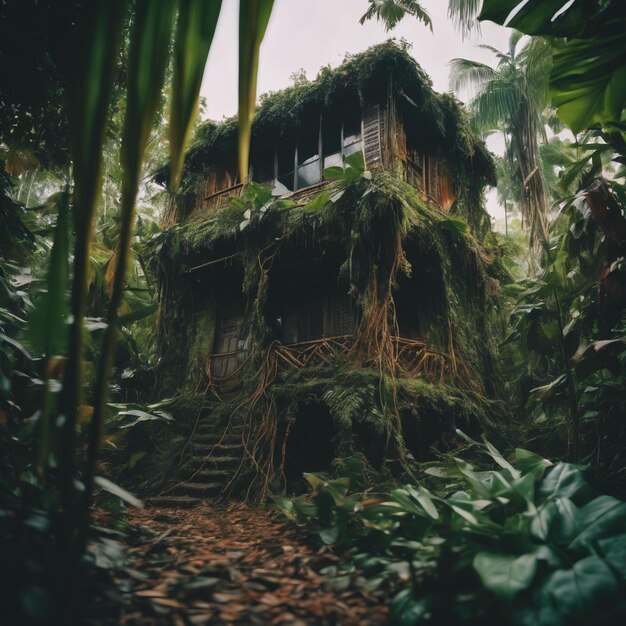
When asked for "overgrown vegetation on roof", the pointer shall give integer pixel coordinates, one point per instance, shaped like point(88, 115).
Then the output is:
point(439, 119)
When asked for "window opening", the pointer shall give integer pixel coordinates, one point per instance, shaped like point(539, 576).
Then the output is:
point(308, 155)
point(263, 166)
point(422, 172)
point(342, 318)
point(299, 164)
point(332, 142)
point(286, 165)
point(351, 133)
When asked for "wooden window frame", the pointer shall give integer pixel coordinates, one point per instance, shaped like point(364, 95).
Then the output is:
point(320, 147)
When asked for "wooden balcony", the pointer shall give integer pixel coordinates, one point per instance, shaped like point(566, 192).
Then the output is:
point(413, 359)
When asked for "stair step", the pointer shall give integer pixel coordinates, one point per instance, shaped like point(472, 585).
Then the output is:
point(173, 502)
point(203, 448)
point(212, 475)
point(198, 489)
point(213, 462)
point(216, 438)
point(218, 428)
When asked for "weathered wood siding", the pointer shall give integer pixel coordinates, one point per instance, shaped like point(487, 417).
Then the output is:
point(372, 134)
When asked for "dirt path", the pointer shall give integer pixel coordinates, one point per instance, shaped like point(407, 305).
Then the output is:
point(237, 565)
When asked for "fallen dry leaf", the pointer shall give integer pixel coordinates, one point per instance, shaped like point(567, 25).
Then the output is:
point(233, 565)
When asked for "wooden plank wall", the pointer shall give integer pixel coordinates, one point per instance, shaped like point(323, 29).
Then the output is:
point(373, 131)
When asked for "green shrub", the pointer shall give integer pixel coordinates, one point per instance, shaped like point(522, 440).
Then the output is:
point(527, 543)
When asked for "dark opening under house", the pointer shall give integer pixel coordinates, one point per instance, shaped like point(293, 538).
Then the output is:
point(339, 303)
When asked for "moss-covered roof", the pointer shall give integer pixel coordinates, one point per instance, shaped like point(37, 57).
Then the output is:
point(362, 77)
point(207, 237)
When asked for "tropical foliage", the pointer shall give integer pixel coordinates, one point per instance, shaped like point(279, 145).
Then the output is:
point(569, 320)
point(512, 97)
point(529, 542)
point(391, 12)
point(59, 489)
point(587, 78)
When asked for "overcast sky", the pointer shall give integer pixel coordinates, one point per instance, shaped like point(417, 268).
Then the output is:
point(308, 34)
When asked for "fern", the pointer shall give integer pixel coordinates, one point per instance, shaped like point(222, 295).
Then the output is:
point(348, 405)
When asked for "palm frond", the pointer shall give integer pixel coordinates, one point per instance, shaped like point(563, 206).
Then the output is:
point(498, 102)
point(514, 39)
point(536, 61)
point(500, 55)
point(467, 74)
point(391, 12)
point(464, 14)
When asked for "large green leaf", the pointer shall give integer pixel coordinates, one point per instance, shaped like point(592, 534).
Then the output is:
point(556, 521)
point(89, 96)
point(580, 591)
point(118, 491)
point(588, 80)
point(48, 323)
point(499, 459)
point(602, 517)
point(425, 498)
point(536, 17)
point(138, 314)
point(254, 16)
point(529, 462)
point(195, 28)
point(150, 43)
point(504, 574)
point(406, 503)
point(408, 610)
point(565, 481)
point(588, 77)
point(614, 551)
point(317, 203)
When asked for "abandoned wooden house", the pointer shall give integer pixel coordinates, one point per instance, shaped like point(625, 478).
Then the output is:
point(346, 282)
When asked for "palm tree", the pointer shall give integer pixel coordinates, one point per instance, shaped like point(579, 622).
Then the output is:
point(390, 12)
point(512, 97)
point(464, 13)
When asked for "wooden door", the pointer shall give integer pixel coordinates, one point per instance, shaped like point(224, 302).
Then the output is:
point(229, 349)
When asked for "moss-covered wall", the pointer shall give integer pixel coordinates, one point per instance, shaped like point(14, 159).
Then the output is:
point(389, 238)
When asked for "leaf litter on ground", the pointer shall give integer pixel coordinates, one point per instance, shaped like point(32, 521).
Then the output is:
point(231, 565)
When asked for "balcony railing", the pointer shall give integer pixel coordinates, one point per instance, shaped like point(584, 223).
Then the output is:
point(207, 204)
point(413, 358)
point(219, 200)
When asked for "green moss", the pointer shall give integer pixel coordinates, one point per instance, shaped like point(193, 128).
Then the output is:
point(387, 197)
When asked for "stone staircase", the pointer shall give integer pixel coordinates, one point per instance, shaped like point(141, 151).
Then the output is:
point(211, 460)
